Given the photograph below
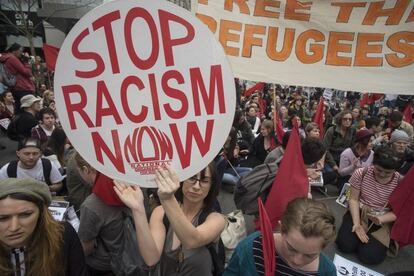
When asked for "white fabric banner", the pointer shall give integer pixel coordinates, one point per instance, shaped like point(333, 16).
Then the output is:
point(348, 45)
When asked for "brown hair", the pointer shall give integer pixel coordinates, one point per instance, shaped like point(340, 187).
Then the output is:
point(44, 251)
point(340, 115)
point(309, 127)
point(80, 162)
point(312, 218)
point(268, 124)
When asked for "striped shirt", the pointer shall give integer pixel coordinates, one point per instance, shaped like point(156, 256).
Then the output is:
point(282, 268)
point(18, 261)
point(373, 193)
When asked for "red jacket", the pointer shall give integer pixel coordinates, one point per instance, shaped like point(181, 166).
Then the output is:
point(23, 72)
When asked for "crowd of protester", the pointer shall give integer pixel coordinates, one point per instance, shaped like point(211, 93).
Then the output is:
point(366, 141)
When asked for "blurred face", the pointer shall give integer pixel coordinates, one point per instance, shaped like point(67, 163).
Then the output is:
point(264, 131)
point(283, 110)
point(196, 188)
point(48, 121)
point(370, 143)
point(299, 251)
point(298, 102)
point(365, 112)
point(399, 146)
point(298, 120)
point(28, 157)
point(51, 96)
point(18, 53)
point(87, 175)
point(18, 220)
point(381, 173)
point(347, 120)
point(36, 106)
point(8, 98)
point(355, 113)
point(255, 99)
point(252, 112)
point(314, 133)
point(395, 124)
point(52, 106)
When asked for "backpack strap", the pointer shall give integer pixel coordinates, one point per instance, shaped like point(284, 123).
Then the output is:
point(47, 168)
point(12, 169)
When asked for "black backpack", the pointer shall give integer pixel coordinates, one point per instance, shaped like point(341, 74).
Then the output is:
point(254, 184)
point(46, 165)
point(218, 255)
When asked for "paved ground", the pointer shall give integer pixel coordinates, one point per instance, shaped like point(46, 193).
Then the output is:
point(404, 261)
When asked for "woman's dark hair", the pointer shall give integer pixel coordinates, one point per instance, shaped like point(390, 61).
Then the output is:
point(56, 144)
point(385, 157)
point(46, 110)
point(312, 150)
point(14, 47)
point(211, 197)
point(372, 121)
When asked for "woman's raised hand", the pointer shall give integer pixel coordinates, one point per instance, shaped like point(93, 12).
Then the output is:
point(167, 182)
point(131, 195)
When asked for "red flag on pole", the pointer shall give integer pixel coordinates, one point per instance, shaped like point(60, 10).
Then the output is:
point(268, 242)
point(278, 126)
point(51, 54)
point(319, 118)
point(402, 202)
point(291, 180)
point(254, 88)
point(364, 100)
point(408, 114)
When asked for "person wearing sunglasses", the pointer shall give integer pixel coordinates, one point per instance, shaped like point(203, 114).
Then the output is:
point(176, 238)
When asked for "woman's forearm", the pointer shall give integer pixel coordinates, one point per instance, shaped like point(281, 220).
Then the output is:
point(354, 209)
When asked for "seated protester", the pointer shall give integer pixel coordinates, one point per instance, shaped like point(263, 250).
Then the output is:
point(227, 163)
point(32, 242)
point(47, 97)
point(101, 228)
point(6, 105)
point(338, 138)
point(278, 152)
point(297, 108)
point(360, 155)
point(78, 189)
point(312, 130)
point(181, 228)
point(399, 143)
point(358, 121)
point(314, 154)
point(307, 227)
point(29, 164)
point(262, 145)
point(396, 122)
point(252, 119)
point(289, 125)
point(26, 119)
point(46, 126)
point(366, 226)
point(245, 136)
point(374, 125)
point(55, 148)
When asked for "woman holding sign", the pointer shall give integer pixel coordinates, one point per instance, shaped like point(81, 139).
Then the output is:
point(179, 230)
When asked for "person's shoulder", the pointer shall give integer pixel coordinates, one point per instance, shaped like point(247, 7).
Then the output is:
point(326, 266)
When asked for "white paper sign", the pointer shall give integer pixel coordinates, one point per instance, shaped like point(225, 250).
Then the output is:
point(58, 209)
point(140, 84)
point(347, 268)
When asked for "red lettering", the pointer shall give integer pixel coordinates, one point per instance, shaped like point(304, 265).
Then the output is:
point(216, 85)
point(152, 59)
point(100, 66)
point(168, 42)
point(100, 146)
point(75, 107)
point(192, 132)
point(156, 156)
point(165, 144)
point(154, 97)
point(140, 117)
point(130, 146)
point(175, 94)
point(102, 92)
point(105, 22)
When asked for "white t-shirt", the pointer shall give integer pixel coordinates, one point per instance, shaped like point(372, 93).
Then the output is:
point(36, 172)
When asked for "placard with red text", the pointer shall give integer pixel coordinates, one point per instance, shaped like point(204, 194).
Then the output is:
point(140, 84)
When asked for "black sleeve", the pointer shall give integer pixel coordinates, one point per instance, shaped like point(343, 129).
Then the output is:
point(74, 259)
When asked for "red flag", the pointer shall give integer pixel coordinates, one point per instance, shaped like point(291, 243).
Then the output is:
point(51, 54)
point(103, 187)
point(408, 114)
point(402, 202)
point(364, 100)
point(278, 126)
point(262, 105)
point(254, 88)
point(319, 118)
point(268, 242)
point(291, 180)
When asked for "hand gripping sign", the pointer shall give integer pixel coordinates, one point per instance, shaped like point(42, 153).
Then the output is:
point(140, 84)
